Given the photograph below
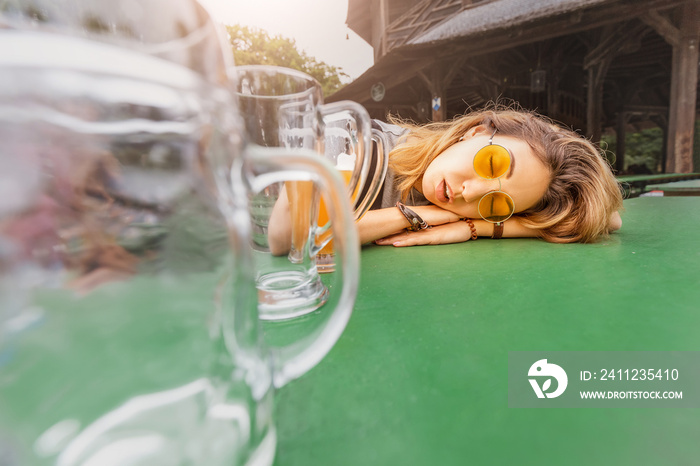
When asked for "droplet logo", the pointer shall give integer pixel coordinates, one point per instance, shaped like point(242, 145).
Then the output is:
point(542, 369)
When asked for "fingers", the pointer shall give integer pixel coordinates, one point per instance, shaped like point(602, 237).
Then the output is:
point(394, 240)
point(442, 234)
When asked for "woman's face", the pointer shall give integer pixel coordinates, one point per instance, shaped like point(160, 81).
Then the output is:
point(451, 183)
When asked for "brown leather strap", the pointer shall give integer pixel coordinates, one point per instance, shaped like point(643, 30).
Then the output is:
point(417, 223)
point(497, 230)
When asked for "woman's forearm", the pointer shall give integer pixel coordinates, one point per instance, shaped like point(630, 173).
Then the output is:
point(379, 223)
point(383, 223)
point(512, 228)
point(279, 228)
point(374, 225)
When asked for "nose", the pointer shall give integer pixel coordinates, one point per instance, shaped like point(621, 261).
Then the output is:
point(474, 189)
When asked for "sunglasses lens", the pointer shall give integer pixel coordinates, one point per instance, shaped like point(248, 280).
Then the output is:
point(492, 161)
point(496, 207)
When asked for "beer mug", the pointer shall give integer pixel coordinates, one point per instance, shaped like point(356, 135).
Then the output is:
point(341, 150)
point(129, 330)
point(282, 107)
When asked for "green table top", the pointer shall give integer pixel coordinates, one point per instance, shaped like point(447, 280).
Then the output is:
point(634, 185)
point(676, 186)
point(646, 179)
point(419, 376)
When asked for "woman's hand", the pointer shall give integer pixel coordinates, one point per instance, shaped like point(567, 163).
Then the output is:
point(455, 232)
point(381, 223)
point(435, 215)
point(446, 233)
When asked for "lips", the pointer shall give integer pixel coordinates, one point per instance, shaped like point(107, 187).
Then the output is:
point(442, 192)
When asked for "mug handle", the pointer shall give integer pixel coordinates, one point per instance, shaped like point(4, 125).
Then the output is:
point(264, 166)
point(380, 169)
point(363, 149)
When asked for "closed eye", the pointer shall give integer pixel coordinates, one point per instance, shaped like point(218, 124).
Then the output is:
point(512, 164)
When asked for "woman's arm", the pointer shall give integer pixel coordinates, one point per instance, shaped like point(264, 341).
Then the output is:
point(374, 225)
point(381, 223)
point(456, 232)
point(459, 232)
point(279, 227)
point(388, 227)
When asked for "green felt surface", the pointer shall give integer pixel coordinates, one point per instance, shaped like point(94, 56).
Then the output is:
point(419, 376)
point(676, 186)
point(634, 185)
point(658, 177)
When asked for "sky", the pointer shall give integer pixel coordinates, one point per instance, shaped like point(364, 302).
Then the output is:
point(317, 26)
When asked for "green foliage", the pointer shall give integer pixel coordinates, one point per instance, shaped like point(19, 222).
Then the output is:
point(256, 47)
point(643, 149)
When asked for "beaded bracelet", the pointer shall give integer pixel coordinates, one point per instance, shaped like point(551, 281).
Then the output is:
point(472, 227)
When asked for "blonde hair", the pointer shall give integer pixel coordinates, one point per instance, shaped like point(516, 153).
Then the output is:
point(582, 195)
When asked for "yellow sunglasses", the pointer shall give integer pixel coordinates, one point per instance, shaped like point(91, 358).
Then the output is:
point(492, 162)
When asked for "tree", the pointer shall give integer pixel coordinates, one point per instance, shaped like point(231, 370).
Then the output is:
point(643, 150)
point(256, 47)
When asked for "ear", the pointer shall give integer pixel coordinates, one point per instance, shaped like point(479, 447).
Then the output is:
point(473, 131)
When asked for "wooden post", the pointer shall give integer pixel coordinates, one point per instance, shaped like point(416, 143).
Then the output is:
point(621, 131)
point(440, 76)
point(594, 106)
point(379, 28)
point(438, 94)
point(597, 61)
point(684, 81)
point(662, 121)
point(553, 105)
point(684, 37)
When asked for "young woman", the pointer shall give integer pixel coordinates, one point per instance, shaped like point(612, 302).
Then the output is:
point(498, 173)
point(551, 182)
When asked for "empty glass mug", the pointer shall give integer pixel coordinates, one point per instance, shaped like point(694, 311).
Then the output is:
point(129, 331)
point(282, 107)
point(341, 150)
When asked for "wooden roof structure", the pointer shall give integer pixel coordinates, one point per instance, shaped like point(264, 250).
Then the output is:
point(590, 64)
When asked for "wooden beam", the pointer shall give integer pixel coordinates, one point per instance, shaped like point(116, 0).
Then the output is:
point(453, 69)
point(411, 58)
point(662, 121)
point(506, 38)
point(555, 70)
point(615, 42)
point(684, 82)
point(621, 131)
point(437, 79)
point(663, 26)
point(434, 81)
point(597, 63)
point(409, 70)
point(379, 10)
point(594, 104)
point(650, 109)
point(418, 19)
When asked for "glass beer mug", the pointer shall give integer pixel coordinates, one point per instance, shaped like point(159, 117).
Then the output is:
point(129, 330)
point(284, 108)
point(341, 149)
